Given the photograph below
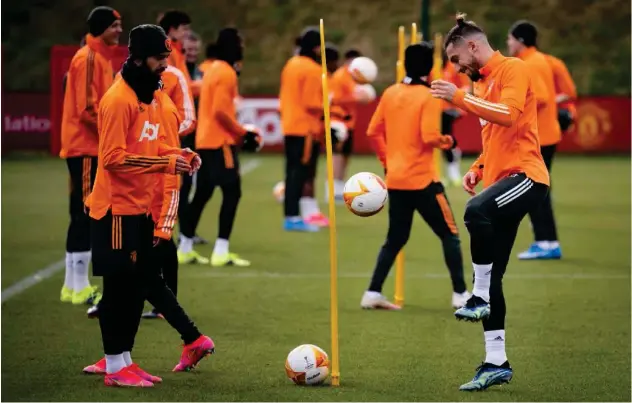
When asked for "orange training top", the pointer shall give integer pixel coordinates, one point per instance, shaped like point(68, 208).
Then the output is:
point(564, 83)
point(544, 87)
point(343, 93)
point(131, 144)
point(507, 111)
point(301, 97)
point(89, 77)
point(217, 119)
point(164, 209)
point(404, 130)
point(175, 85)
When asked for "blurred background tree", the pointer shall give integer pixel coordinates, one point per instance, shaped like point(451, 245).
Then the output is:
point(591, 36)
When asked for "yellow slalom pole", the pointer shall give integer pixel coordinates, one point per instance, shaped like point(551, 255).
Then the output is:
point(413, 33)
point(400, 54)
point(333, 259)
point(438, 74)
point(399, 262)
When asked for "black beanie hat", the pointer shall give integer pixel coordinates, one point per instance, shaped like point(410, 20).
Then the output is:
point(309, 39)
point(228, 45)
point(147, 40)
point(100, 18)
point(418, 59)
point(331, 52)
point(525, 32)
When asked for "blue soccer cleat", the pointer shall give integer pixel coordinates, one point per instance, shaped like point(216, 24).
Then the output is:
point(299, 225)
point(475, 309)
point(487, 375)
point(535, 251)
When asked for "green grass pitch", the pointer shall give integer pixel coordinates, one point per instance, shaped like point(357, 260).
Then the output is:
point(568, 325)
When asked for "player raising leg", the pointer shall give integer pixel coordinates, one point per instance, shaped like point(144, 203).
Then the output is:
point(404, 132)
point(89, 77)
point(513, 173)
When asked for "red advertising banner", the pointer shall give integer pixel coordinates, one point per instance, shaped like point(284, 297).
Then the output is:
point(603, 124)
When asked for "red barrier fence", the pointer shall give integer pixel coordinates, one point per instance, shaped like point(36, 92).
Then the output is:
point(33, 121)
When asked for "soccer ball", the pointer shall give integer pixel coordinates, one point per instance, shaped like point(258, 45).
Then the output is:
point(365, 194)
point(278, 191)
point(365, 92)
point(363, 70)
point(307, 364)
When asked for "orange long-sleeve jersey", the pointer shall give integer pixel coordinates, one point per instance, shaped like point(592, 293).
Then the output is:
point(404, 130)
point(217, 119)
point(342, 88)
point(131, 143)
point(89, 77)
point(564, 84)
point(301, 97)
point(544, 87)
point(175, 85)
point(164, 208)
point(450, 74)
point(507, 111)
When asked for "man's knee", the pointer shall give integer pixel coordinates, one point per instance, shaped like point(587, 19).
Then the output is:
point(475, 213)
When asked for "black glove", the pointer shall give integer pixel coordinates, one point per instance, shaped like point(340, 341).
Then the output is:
point(455, 142)
point(252, 142)
point(565, 119)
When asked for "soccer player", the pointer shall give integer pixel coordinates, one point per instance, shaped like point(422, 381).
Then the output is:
point(89, 77)
point(218, 135)
point(566, 93)
point(133, 115)
point(301, 110)
point(522, 41)
point(346, 97)
point(177, 25)
point(513, 174)
point(404, 131)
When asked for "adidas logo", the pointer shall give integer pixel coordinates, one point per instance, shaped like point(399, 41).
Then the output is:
point(488, 273)
point(79, 261)
point(499, 338)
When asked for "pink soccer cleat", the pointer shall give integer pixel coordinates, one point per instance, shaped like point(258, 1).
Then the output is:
point(193, 353)
point(144, 375)
point(127, 378)
point(97, 368)
point(317, 219)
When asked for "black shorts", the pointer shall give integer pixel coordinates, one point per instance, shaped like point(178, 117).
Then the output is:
point(301, 150)
point(121, 244)
point(83, 171)
point(347, 145)
point(220, 166)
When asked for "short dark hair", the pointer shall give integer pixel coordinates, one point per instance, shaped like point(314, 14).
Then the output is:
point(352, 54)
point(173, 19)
point(211, 51)
point(461, 30)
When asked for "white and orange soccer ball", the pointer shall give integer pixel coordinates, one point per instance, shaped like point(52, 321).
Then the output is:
point(365, 194)
point(278, 191)
point(307, 364)
point(363, 70)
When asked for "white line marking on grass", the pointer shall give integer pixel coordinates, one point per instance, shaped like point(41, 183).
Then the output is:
point(53, 268)
point(33, 279)
point(263, 274)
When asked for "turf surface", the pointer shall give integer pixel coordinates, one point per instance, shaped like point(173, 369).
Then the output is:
point(568, 325)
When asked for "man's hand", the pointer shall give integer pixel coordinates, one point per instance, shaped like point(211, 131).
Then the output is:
point(443, 90)
point(470, 180)
point(182, 166)
point(196, 162)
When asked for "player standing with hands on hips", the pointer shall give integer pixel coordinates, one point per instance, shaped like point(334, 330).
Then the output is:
point(513, 173)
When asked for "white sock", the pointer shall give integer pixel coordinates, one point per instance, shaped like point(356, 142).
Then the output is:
point(186, 244)
point(114, 363)
point(80, 264)
point(543, 244)
point(339, 187)
point(308, 206)
point(495, 347)
point(482, 280)
point(554, 244)
point(127, 356)
point(69, 279)
point(221, 247)
point(454, 171)
point(372, 294)
point(294, 218)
